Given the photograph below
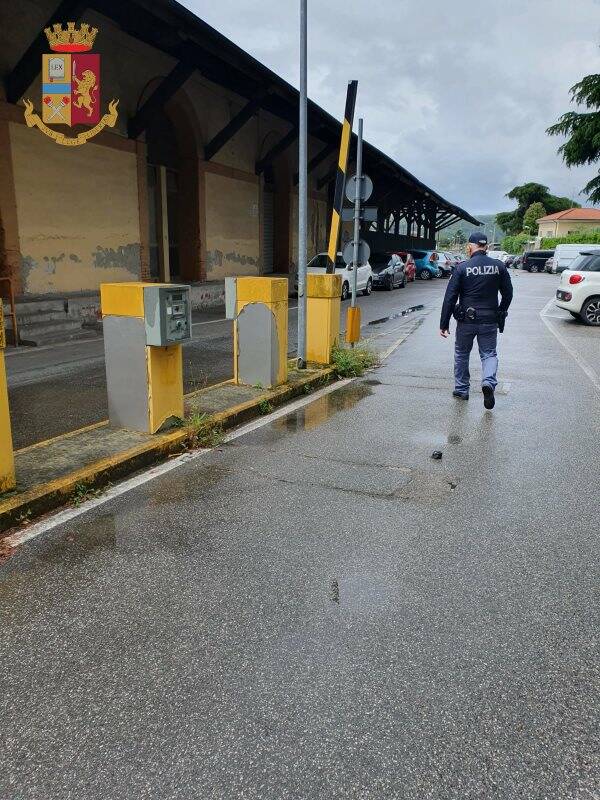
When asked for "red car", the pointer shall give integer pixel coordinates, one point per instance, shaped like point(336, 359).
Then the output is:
point(410, 269)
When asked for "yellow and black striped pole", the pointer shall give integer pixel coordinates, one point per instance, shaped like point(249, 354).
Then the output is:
point(340, 179)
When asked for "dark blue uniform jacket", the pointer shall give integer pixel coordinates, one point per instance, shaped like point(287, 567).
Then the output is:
point(475, 284)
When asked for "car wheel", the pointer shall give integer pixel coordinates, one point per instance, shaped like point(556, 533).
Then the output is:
point(533, 268)
point(590, 313)
point(345, 290)
point(368, 288)
point(425, 275)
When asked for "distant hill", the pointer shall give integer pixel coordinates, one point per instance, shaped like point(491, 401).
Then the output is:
point(467, 228)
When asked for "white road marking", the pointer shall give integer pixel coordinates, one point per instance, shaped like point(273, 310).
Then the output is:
point(591, 373)
point(25, 535)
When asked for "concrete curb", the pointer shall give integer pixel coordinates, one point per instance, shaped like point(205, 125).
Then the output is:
point(43, 498)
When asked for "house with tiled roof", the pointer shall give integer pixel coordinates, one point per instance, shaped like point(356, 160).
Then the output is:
point(570, 221)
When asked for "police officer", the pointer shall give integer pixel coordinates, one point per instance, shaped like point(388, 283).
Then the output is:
point(472, 298)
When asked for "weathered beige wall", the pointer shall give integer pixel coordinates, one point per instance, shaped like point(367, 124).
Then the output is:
point(563, 227)
point(232, 227)
point(78, 213)
point(317, 227)
point(572, 225)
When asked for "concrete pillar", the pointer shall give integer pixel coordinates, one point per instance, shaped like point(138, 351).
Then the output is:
point(142, 180)
point(260, 332)
point(323, 293)
point(7, 460)
point(163, 225)
point(10, 248)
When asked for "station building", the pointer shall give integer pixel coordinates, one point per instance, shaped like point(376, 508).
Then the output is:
point(196, 181)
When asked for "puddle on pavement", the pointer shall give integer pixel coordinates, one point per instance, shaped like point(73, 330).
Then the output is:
point(319, 411)
point(180, 487)
point(398, 315)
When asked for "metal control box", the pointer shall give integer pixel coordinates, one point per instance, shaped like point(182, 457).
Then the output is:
point(145, 326)
point(167, 315)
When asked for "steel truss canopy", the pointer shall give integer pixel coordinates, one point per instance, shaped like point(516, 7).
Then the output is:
point(169, 27)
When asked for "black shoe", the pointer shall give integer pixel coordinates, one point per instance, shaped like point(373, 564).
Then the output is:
point(489, 401)
point(460, 395)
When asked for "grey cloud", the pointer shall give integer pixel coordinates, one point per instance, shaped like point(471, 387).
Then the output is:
point(459, 93)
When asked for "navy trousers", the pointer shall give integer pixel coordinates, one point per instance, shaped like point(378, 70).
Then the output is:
point(487, 339)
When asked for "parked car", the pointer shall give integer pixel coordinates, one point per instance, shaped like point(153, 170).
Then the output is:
point(410, 269)
point(510, 261)
point(388, 271)
point(579, 290)
point(426, 264)
point(565, 254)
point(549, 266)
point(499, 254)
point(364, 276)
point(518, 262)
point(446, 264)
point(535, 260)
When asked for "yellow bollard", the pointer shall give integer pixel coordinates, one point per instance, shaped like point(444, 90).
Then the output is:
point(272, 293)
point(353, 325)
point(7, 459)
point(145, 325)
point(323, 300)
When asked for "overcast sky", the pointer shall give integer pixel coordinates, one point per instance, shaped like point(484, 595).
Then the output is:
point(460, 93)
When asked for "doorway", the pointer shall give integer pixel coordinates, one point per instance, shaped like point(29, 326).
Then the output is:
point(164, 200)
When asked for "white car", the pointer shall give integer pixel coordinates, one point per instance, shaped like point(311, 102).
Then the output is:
point(565, 255)
point(364, 276)
point(501, 255)
point(579, 289)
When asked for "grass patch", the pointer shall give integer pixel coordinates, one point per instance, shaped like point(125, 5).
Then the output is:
point(352, 362)
point(265, 407)
point(83, 492)
point(203, 431)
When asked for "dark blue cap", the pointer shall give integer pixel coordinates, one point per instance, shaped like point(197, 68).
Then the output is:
point(478, 238)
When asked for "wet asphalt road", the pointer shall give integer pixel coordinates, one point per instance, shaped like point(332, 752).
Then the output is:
point(320, 610)
point(61, 388)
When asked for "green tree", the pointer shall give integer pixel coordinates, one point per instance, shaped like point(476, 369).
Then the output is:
point(460, 237)
point(526, 195)
point(515, 244)
point(533, 213)
point(583, 129)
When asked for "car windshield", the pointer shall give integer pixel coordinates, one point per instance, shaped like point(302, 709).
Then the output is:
point(586, 263)
point(318, 262)
point(380, 261)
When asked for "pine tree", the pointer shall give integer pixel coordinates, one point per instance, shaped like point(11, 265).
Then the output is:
point(583, 129)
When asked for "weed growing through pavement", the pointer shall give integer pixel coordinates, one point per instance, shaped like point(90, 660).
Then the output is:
point(83, 492)
point(203, 431)
point(24, 518)
point(265, 407)
point(352, 362)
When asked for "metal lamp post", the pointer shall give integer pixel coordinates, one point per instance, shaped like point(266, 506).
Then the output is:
point(302, 189)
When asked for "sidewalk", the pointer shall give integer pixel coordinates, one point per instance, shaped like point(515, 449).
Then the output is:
point(64, 468)
point(62, 388)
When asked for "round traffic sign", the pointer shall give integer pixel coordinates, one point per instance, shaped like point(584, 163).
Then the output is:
point(366, 188)
point(364, 251)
